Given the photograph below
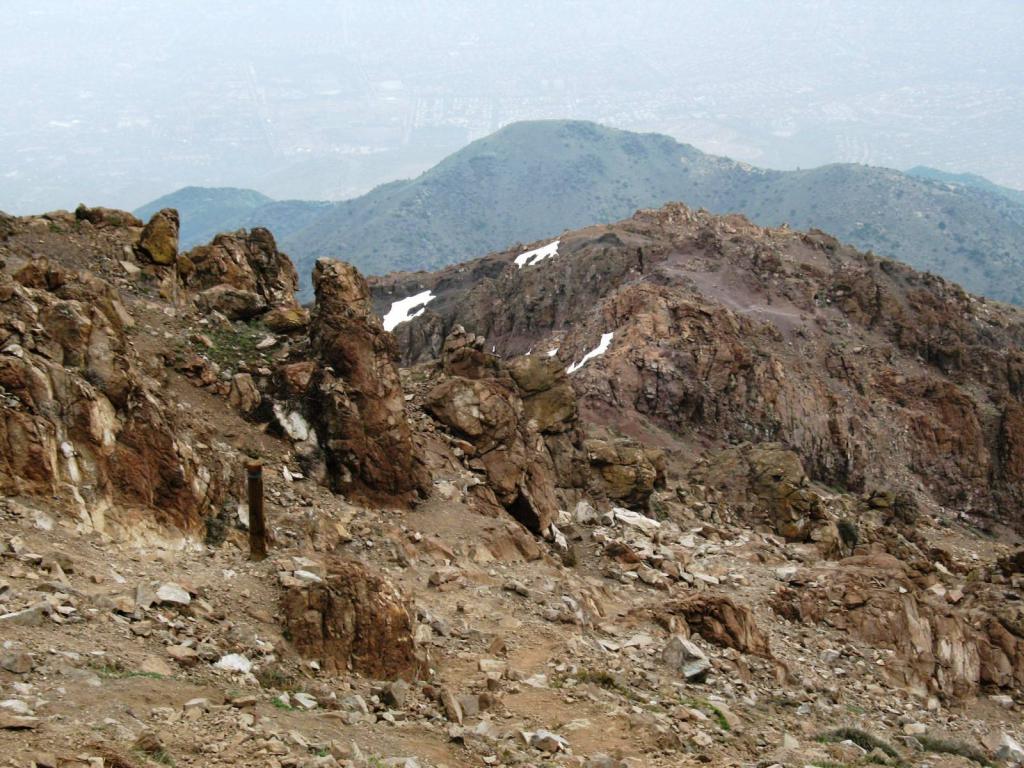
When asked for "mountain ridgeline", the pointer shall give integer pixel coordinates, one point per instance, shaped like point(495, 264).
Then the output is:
point(536, 179)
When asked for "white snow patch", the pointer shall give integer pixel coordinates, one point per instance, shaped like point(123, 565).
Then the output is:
point(399, 312)
point(537, 255)
point(294, 425)
point(600, 349)
point(553, 352)
point(234, 662)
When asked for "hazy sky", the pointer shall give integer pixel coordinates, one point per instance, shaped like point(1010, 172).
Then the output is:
point(116, 102)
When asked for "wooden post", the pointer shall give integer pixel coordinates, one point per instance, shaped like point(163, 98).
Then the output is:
point(257, 525)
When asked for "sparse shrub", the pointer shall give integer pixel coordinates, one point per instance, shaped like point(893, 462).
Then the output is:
point(274, 677)
point(848, 533)
point(862, 739)
point(217, 527)
point(953, 747)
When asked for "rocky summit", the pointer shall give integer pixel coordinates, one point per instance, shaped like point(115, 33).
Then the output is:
point(677, 490)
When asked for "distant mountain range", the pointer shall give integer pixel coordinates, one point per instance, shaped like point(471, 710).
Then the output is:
point(535, 179)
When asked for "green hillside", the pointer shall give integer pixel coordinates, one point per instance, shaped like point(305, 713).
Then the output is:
point(533, 180)
point(205, 211)
point(969, 180)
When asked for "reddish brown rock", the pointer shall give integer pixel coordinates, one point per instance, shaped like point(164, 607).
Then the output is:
point(355, 400)
point(726, 332)
point(80, 422)
point(721, 621)
point(243, 275)
point(480, 402)
point(353, 621)
point(939, 648)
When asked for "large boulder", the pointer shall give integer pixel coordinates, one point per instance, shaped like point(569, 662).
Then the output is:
point(354, 620)
point(354, 402)
point(480, 402)
point(158, 242)
point(622, 470)
point(243, 275)
point(721, 621)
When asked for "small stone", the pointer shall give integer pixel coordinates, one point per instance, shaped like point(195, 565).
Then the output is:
point(396, 694)
point(546, 741)
point(305, 701)
point(150, 743)
point(452, 709)
point(584, 514)
point(29, 617)
point(17, 663)
point(153, 665)
point(16, 706)
point(686, 657)
point(183, 655)
point(234, 662)
point(173, 594)
point(914, 729)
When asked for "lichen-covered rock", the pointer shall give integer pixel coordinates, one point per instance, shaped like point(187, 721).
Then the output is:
point(158, 242)
point(622, 470)
point(284, 319)
point(354, 620)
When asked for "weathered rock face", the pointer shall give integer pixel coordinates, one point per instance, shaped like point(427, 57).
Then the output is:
point(513, 443)
point(721, 621)
point(354, 399)
point(624, 471)
point(353, 621)
point(7, 226)
point(106, 217)
point(78, 420)
point(725, 332)
point(941, 648)
point(766, 482)
point(158, 243)
point(243, 275)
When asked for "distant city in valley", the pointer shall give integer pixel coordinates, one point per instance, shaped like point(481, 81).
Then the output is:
point(195, 96)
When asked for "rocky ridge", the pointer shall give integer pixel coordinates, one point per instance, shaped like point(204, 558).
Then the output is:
point(515, 564)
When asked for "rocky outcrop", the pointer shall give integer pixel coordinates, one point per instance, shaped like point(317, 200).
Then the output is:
point(243, 275)
point(727, 332)
point(106, 217)
point(624, 471)
point(721, 621)
point(354, 400)
point(940, 647)
point(158, 243)
point(518, 424)
point(78, 420)
point(353, 620)
point(767, 483)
